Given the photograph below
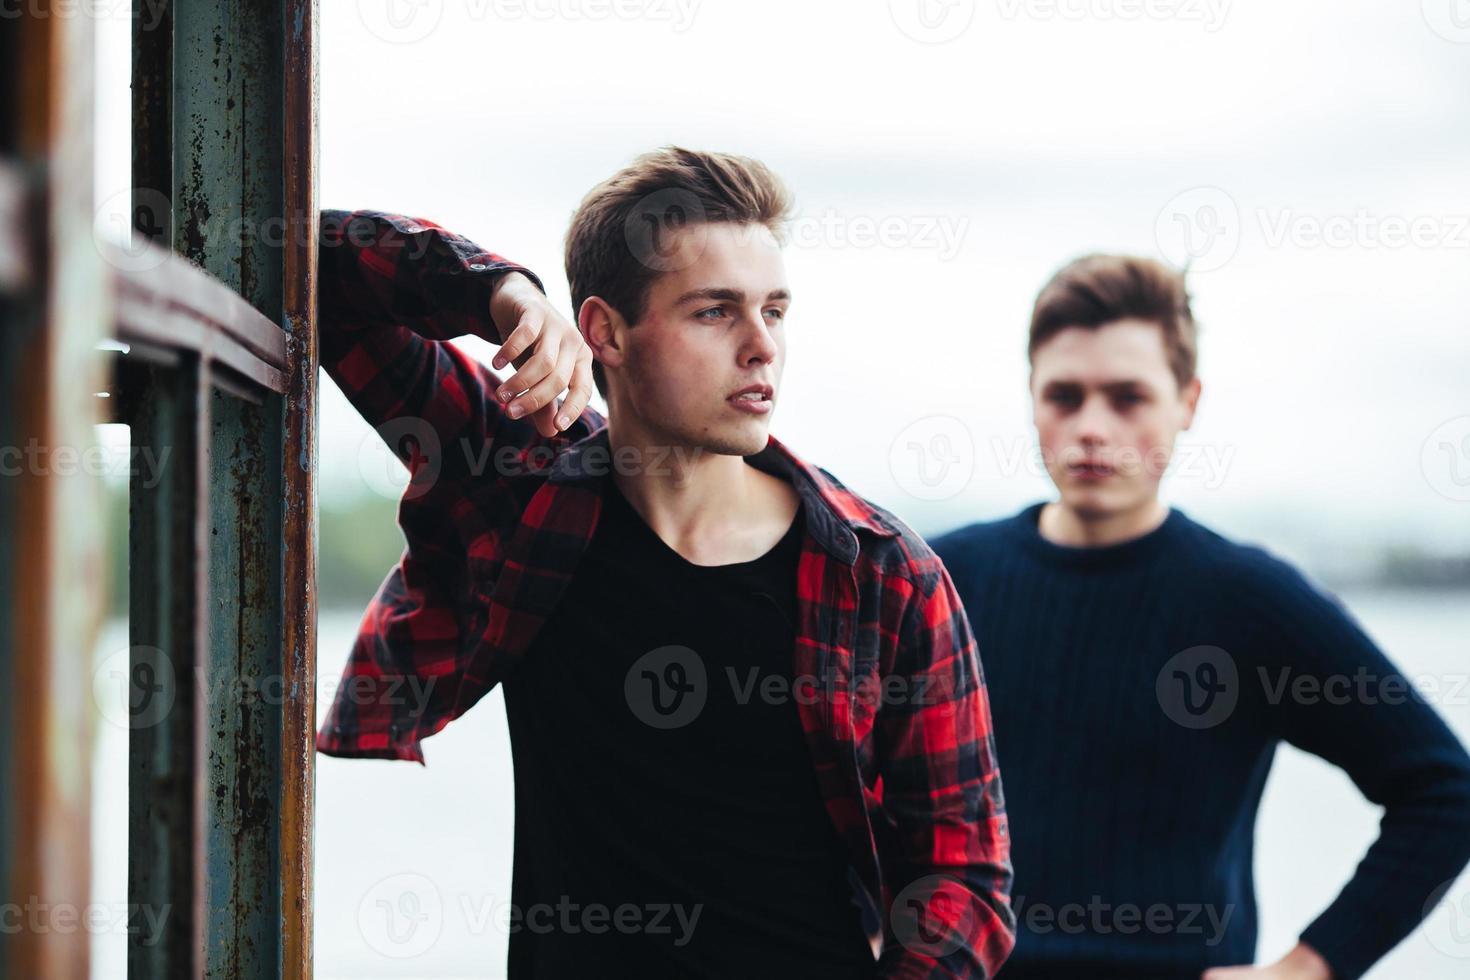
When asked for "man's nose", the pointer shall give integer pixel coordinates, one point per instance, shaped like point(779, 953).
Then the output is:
point(1094, 421)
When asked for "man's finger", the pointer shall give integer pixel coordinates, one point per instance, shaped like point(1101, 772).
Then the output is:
point(579, 396)
point(522, 337)
point(551, 383)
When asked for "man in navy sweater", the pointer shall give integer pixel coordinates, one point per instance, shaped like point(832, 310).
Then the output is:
point(1143, 669)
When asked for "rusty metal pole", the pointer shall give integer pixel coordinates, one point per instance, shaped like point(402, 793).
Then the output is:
point(225, 169)
point(52, 313)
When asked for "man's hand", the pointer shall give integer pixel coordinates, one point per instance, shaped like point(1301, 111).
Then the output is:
point(1302, 963)
point(548, 352)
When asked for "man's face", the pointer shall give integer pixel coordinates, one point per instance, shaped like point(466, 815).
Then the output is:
point(1107, 410)
point(712, 327)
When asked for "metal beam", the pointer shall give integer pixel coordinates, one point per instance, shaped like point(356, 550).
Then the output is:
point(51, 318)
point(224, 172)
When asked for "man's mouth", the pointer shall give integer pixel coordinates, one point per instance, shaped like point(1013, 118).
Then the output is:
point(752, 398)
point(1090, 471)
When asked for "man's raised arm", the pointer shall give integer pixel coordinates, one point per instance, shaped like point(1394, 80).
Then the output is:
point(392, 289)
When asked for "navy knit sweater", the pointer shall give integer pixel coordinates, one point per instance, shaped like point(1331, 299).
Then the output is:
point(1139, 691)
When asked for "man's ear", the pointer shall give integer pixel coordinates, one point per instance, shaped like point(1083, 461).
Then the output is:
point(602, 329)
point(1190, 396)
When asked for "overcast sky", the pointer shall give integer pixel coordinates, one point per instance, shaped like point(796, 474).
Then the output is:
point(946, 157)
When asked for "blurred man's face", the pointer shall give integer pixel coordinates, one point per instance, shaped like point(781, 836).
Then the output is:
point(1107, 410)
point(712, 329)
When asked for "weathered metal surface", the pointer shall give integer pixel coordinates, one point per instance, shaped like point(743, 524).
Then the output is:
point(163, 299)
point(50, 510)
point(241, 771)
point(167, 410)
point(299, 531)
point(233, 181)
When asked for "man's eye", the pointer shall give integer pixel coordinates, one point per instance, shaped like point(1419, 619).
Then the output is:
point(718, 311)
point(776, 312)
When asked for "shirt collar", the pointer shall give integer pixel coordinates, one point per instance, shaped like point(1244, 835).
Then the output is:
point(835, 515)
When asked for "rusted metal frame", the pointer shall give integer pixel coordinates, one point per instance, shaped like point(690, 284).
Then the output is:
point(172, 282)
point(176, 305)
point(299, 520)
point(210, 143)
point(168, 412)
point(50, 596)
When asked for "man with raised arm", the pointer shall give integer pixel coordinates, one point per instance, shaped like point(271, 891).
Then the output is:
point(737, 692)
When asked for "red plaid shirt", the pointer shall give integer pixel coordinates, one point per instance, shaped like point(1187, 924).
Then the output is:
point(496, 516)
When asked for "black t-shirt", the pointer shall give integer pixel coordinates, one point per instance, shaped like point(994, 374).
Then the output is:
point(668, 819)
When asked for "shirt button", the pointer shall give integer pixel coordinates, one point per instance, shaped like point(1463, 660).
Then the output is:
point(478, 267)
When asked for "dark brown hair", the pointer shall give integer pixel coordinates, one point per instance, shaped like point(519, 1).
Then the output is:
point(613, 247)
point(1095, 290)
